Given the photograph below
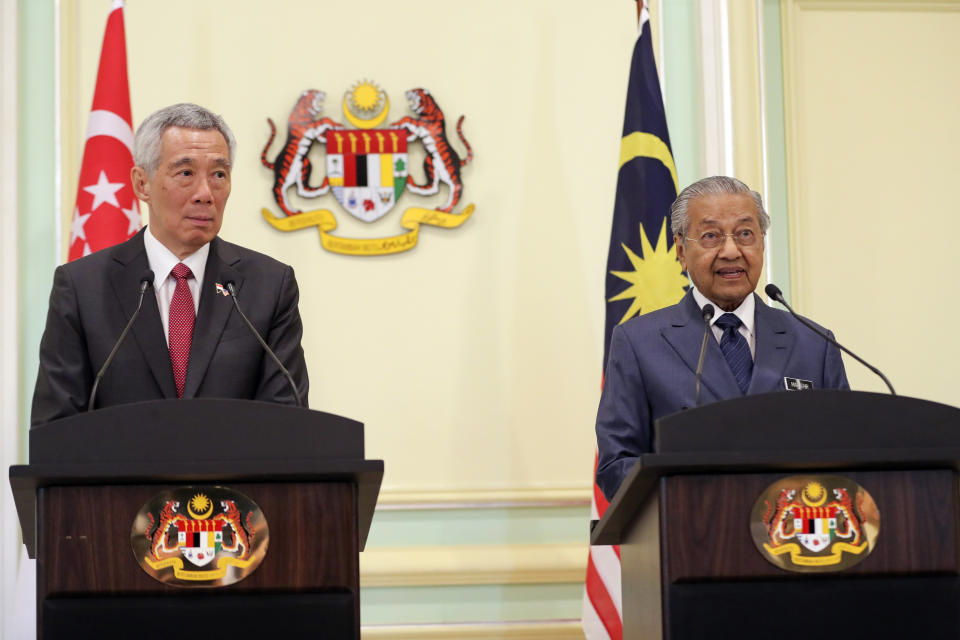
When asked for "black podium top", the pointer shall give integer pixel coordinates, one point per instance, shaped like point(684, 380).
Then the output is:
point(199, 440)
point(792, 432)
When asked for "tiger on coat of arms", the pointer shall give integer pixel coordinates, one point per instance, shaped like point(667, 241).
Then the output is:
point(292, 166)
point(442, 163)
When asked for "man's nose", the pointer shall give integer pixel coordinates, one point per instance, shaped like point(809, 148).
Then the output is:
point(203, 194)
point(729, 248)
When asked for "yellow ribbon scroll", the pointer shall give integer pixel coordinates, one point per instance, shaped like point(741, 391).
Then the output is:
point(797, 557)
point(214, 574)
point(325, 222)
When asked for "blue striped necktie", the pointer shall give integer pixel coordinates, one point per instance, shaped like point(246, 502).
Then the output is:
point(736, 350)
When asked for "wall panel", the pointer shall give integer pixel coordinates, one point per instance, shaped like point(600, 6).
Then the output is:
point(872, 133)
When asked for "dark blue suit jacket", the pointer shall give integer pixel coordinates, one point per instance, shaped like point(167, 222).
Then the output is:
point(651, 373)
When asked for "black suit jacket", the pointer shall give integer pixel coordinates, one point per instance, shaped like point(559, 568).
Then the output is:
point(93, 298)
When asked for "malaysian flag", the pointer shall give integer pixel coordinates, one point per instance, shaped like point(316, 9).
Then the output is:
point(643, 275)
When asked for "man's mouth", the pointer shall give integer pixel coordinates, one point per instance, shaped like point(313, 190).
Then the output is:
point(731, 273)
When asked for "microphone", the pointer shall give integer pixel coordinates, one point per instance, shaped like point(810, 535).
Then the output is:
point(774, 292)
point(145, 281)
point(232, 288)
point(707, 312)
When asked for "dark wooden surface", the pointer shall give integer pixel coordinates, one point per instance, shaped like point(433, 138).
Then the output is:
point(705, 524)
point(27, 481)
point(650, 468)
point(313, 539)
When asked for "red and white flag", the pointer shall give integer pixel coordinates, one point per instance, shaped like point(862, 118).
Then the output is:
point(106, 210)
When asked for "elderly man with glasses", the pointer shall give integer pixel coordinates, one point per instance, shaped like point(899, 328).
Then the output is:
point(718, 226)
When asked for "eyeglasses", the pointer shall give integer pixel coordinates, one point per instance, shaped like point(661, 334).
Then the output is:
point(713, 239)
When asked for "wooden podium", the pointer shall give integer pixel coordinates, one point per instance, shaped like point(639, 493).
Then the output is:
point(90, 474)
point(690, 568)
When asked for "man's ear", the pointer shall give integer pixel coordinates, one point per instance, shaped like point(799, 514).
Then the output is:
point(681, 254)
point(141, 185)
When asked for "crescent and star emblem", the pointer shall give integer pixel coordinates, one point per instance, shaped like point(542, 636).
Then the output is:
point(202, 504)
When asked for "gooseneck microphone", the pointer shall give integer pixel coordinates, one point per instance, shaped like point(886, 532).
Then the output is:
point(232, 288)
point(145, 281)
point(774, 292)
point(707, 312)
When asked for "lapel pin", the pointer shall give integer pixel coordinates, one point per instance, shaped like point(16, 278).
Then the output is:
point(222, 290)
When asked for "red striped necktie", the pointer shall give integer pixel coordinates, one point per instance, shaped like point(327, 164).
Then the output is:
point(180, 329)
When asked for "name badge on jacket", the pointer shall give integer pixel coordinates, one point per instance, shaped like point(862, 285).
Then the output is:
point(797, 384)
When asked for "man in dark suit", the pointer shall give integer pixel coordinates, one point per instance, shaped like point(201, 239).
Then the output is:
point(718, 227)
point(188, 341)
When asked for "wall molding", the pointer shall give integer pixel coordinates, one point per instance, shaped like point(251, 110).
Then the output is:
point(10, 441)
point(396, 499)
point(877, 5)
point(793, 140)
point(473, 565)
point(791, 15)
point(534, 630)
point(717, 112)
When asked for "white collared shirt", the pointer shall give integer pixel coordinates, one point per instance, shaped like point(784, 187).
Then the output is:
point(162, 261)
point(746, 312)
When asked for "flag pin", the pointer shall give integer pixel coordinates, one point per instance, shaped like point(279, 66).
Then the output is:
point(222, 290)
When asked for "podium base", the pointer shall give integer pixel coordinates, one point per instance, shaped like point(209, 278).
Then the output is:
point(201, 615)
point(890, 607)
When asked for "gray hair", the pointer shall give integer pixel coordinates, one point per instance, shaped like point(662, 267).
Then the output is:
point(146, 144)
point(714, 185)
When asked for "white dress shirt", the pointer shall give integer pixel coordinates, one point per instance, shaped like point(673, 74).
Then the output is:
point(162, 261)
point(745, 312)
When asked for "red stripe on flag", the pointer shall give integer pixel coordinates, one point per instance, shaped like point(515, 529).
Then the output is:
point(602, 603)
point(597, 591)
point(599, 499)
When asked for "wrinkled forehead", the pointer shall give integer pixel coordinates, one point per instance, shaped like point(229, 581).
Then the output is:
point(176, 139)
point(723, 210)
point(183, 147)
point(728, 221)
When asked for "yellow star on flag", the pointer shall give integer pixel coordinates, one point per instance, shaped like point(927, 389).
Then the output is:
point(657, 280)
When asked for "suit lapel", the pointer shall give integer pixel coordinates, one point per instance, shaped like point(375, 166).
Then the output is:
point(212, 313)
point(774, 345)
point(685, 335)
point(130, 263)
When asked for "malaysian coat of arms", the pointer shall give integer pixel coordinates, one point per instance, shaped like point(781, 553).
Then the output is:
point(815, 523)
point(366, 167)
point(199, 537)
